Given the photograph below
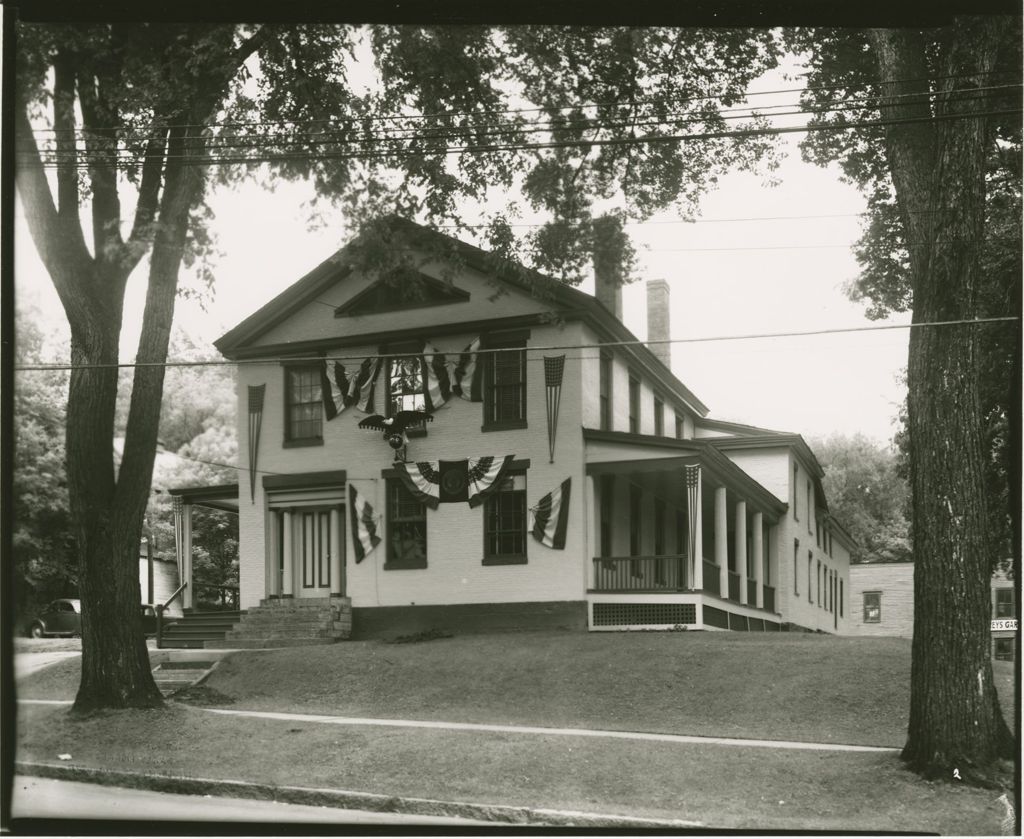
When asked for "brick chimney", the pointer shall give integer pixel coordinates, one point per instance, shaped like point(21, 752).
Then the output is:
point(658, 320)
point(608, 285)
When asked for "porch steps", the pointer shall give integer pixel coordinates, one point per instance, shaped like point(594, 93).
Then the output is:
point(289, 623)
point(196, 628)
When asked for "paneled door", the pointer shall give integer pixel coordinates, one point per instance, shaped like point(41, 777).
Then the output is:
point(311, 530)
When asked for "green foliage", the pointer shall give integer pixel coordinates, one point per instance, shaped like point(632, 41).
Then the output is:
point(44, 558)
point(868, 496)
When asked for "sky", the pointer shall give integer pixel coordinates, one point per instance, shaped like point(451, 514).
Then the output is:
point(761, 259)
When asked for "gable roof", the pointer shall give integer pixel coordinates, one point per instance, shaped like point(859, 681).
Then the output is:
point(568, 303)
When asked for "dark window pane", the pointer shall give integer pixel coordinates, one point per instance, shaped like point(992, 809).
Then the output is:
point(304, 412)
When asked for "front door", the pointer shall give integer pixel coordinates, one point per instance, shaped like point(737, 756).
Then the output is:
point(312, 534)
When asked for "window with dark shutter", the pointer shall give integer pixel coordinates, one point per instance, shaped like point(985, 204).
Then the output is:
point(406, 528)
point(505, 386)
point(505, 523)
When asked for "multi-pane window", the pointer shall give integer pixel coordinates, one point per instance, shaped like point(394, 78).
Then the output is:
point(680, 426)
point(505, 384)
point(605, 394)
point(405, 385)
point(659, 416)
point(796, 494)
point(303, 403)
point(1004, 603)
point(872, 607)
point(607, 513)
point(505, 522)
point(796, 566)
point(634, 404)
point(407, 528)
point(1002, 648)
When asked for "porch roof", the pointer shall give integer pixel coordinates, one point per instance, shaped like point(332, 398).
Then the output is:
point(636, 453)
point(219, 497)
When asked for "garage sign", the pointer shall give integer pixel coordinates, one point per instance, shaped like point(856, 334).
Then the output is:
point(1004, 624)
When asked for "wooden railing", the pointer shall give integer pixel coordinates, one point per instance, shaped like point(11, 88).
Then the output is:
point(640, 573)
point(160, 607)
point(734, 586)
point(712, 579)
point(769, 598)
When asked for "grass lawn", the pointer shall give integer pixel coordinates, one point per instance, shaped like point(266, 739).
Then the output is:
point(800, 687)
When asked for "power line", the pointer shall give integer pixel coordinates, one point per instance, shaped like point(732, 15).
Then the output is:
point(550, 348)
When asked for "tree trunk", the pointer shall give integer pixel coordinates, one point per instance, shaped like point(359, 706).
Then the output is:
point(939, 174)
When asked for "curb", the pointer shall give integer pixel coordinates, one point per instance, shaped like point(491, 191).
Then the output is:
point(500, 814)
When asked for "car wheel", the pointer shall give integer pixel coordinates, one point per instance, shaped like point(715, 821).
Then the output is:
point(36, 631)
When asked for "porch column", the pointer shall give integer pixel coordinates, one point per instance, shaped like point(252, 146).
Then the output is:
point(593, 510)
point(336, 567)
point(696, 534)
point(758, 525)
point(741, 548)
point(286, 574)
point(183, 548)
point(721, 542)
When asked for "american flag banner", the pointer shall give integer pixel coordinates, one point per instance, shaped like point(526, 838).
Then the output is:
point(554, 367)
point(436, 378)
point(692, 490)
point(364, 524)
point(468, 374)
point(256, 394)
point(334, 387)
point(364, 385)
point(445, 481)
point(551, 517)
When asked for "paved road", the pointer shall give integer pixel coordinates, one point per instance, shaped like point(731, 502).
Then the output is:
point(43, 798)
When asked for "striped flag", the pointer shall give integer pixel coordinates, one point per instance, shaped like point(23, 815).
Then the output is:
point(363, 386)
point(364, 525)
point(468, 376)
point(551, 517)
point(436, 380)
point(333, 388)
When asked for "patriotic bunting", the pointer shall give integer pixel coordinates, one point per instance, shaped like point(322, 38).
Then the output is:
point(554, 366)
point(551, 517)
point(334, 387)
point(447, 481)
point(437, 383)
point(256, 393)
point(468, 375)
point(363, 386)
point(364, 525)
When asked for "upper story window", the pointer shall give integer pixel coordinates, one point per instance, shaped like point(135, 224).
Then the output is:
point(634, 404)
point(872, 607)
point(810, 519)
point(505, 523)
point(605, 392)
point(505, 385)
point(303, 413)
point(1004, 603)
point(659, 416)
point(796, 493)
point(405, 385)
point(680, 426)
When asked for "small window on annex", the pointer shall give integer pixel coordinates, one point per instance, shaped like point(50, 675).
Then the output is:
point(406, 528)
point(1002, 649)
point(872, 607)
point(505, 523)
point(303, 404)
point(1004, 603)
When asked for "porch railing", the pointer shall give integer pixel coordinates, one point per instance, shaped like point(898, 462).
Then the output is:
point(751, 592)
point(734, 586)
point(160, 609)
point(769, 598)
point(712, 579)
point(640, 573)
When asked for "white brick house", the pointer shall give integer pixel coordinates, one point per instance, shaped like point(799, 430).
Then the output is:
point(653, 482)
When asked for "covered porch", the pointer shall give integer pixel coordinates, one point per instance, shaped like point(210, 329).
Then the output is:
point(194, 595)
point(680, 537)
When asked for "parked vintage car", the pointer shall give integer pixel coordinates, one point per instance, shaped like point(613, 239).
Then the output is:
point(63, 617)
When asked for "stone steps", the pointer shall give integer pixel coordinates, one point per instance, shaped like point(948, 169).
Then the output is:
point(289, 623)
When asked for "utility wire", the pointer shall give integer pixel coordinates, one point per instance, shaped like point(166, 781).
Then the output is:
point(550, 348)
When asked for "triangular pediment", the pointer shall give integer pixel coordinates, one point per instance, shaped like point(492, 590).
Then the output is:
point(403, 288)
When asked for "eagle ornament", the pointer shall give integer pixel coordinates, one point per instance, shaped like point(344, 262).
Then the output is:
point(394, 427)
